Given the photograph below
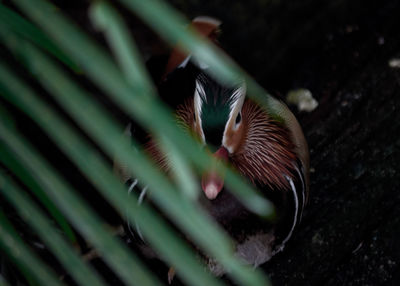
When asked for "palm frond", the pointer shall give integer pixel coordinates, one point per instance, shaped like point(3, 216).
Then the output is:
point(55, 53)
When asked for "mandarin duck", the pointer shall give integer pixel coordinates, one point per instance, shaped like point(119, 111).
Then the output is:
point(272, 155)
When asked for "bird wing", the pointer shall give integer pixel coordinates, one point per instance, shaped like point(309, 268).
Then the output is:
point(297, 136)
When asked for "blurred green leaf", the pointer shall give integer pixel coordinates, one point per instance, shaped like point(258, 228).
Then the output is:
point(171, 25)
point(20, 171)
point(22, 256)
point(96, 122)
point(91, 164)
point(3, 282)
point(123, 46)
point(129, 269)
point(64, 252)
point(6, 117)
point(135, 101)
point(181, 172)
point(133, 91)
point(93, 119)
point(14, 166)
point(106, 18)
point(26, 29)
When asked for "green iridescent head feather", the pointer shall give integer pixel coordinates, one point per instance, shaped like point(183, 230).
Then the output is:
point(216, 103)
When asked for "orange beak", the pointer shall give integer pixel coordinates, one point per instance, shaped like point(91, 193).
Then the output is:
point(211, 182)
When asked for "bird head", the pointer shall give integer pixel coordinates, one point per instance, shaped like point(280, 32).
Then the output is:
point(218, 122)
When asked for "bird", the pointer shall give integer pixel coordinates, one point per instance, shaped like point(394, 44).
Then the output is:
point(271, 154)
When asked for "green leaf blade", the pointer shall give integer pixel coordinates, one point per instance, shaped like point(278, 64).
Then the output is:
point(135, 101)
point(80, 271)
point(117, 255)
point(91, 164)
point(25, 259)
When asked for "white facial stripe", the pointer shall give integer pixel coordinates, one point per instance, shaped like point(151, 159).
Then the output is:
point(237, 97)
point(200, 90)
point(237, 101)
point(197, 103)
point(199, 96)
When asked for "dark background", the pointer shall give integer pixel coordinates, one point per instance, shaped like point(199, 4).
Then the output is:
point(339, 50)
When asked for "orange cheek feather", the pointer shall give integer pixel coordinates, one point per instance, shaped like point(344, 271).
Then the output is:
point(234, 139)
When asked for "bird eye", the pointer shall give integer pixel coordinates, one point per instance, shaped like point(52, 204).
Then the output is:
point(238, 118)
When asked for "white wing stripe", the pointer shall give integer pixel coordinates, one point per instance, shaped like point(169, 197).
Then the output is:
point(303, 191)
point(140, 200)
point(132, 186)
point(142, 194)
point(296, 203)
